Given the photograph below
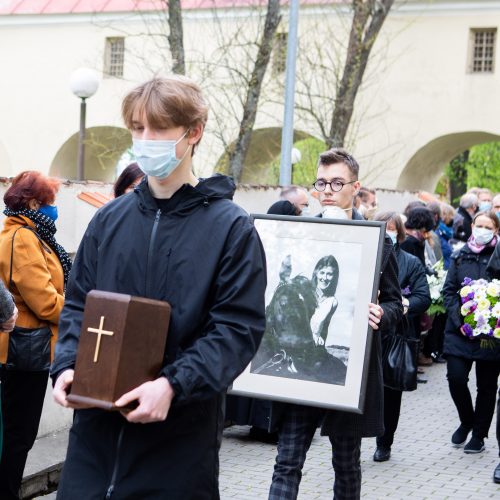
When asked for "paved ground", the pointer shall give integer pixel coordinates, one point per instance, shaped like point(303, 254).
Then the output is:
point(423, 465)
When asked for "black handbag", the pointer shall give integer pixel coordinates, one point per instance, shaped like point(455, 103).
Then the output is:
point(29, 348)
point(399, 359)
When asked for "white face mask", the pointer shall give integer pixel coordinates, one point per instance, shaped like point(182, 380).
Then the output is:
point(482, 235)
point(306, 212)
point(393, 235)
point(157, 158)
point(334, 212)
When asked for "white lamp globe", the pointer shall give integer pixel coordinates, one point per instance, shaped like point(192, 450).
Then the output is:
point(84, 82)
point(296, 156)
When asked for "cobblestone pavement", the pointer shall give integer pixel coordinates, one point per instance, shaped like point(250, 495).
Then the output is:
point(423, 465)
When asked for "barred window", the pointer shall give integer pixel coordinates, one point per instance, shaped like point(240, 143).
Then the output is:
point(482, 50)
point(279, 53)
point(114, 57)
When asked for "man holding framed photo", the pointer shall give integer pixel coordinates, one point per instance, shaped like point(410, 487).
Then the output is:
point(337, 184)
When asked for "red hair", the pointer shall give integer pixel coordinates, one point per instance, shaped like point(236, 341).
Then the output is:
point(30, 185)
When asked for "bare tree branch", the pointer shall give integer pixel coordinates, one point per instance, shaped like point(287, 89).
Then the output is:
point(238, 153)
point(175, 37)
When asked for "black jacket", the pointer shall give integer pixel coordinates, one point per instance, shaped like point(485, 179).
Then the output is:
point(464, 264)
point(205, 258)
point(414, 247)
point(462, 225)
point(412, 275)
point(493, 268)
point(371, 422)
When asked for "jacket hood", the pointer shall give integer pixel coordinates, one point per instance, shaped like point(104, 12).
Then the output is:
point(208, 190)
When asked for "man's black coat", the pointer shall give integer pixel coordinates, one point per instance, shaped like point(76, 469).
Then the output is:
point(205, 258)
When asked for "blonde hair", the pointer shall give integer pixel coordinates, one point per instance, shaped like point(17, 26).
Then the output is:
point(170, 102)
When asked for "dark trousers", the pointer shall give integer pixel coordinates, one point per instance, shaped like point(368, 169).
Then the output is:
point(22, 402)
point(392, 409)
point(295, 436)
point(477, 418)
point(498, 423)
point(433, 341)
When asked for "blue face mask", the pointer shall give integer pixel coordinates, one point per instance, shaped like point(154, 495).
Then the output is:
point(484, 206)
point(498, 215)
point(50, 211)
point(157, 158)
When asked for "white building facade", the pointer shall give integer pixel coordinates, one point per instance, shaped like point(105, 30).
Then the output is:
point(431, 89)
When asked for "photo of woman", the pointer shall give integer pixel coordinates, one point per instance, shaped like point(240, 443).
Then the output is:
point(324, 282)
point(297, 323)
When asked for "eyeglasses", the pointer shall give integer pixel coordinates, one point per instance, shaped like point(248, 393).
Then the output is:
point(336, 185)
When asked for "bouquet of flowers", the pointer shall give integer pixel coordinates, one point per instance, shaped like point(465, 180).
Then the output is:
point(436, 283)
point(481, 310)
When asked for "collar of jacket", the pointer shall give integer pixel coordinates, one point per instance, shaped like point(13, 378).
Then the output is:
point(19, 220)
point(463, 212)
point(208, 190)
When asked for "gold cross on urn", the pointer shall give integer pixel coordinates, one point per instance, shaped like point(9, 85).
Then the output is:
point(100, 332)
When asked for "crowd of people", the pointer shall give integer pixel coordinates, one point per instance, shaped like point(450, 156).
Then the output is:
point(170, 236)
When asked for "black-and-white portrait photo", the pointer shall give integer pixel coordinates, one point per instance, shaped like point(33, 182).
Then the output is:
point(309, 308)
point(321, 275)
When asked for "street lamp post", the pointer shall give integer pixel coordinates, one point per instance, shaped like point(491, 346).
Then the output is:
point(287, 131)
point(83, 83)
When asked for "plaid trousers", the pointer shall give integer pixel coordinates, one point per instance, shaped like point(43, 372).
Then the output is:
point(295, 436)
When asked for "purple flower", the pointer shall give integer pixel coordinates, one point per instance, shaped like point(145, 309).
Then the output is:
point(480, 321)
point(466, 281)
point(470, 296)
point(467, 329)
point(406, 292)
point(473, 307)
point(464, 300)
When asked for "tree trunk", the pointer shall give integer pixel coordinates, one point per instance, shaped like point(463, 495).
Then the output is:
point(175, 38)
point(457, 174)
point(238, 154)
point(368, 18)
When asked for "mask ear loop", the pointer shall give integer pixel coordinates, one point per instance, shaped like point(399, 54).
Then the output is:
point(187, 149)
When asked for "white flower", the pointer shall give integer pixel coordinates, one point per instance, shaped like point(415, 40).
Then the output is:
point(492, 290)
point(496, 310)
point(486, 314)
point(483, 305)
point(465, 309)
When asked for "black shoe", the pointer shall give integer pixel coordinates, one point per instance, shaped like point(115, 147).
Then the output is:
point(382, 454)
point(475, 445)
point(421, 380)
point(496, 474)
point(437, 358)
point(258, 434)
point(460, 436)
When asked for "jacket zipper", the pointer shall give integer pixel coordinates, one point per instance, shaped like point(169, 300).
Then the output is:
point(150, 252)
point(111, 487)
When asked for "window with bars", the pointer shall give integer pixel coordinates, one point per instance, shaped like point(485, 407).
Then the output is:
point(482, 50)
point(279, 53)
point(114, 57)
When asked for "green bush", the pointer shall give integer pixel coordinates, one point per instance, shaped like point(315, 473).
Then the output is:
point(303, 172)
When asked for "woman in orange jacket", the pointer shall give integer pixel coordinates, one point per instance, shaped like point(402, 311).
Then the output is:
point(35, 268)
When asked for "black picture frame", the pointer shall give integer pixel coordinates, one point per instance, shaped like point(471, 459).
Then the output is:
point(322, 273)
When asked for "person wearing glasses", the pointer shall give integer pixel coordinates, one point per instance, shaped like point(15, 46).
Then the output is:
point(337, 184)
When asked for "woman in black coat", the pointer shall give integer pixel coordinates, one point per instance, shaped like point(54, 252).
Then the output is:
point(471, 261)
point(411, 276)
point(419, 223)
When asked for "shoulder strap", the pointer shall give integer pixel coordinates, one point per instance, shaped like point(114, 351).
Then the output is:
point(44, 246)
